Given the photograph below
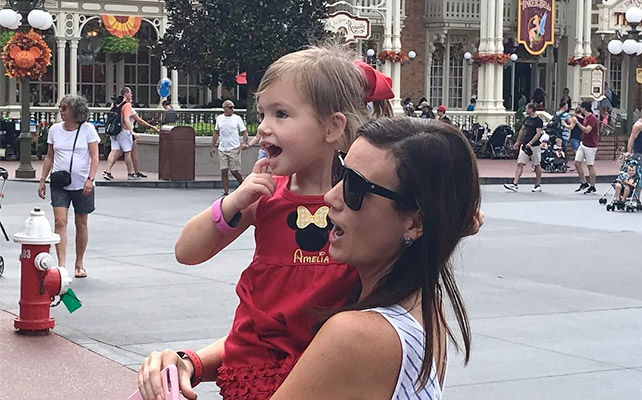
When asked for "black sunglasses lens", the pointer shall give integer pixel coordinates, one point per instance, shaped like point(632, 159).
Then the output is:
point(337, 170)
point(353, 190)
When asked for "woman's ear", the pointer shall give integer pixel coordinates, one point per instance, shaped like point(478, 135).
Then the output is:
point(336, 127)
point(415, 227)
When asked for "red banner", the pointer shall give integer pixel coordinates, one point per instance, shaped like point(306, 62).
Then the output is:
point(536, 24)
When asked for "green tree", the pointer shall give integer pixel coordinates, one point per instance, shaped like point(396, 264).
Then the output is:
point(219, 38)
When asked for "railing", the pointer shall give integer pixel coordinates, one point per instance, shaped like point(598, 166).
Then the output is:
point(202, 120)
point(372, 9)
point(465, 120)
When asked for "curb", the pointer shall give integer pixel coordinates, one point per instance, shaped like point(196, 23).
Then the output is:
point(546, 180)
point(213, 184)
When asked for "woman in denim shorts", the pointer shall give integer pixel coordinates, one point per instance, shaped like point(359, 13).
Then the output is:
point(80, 193)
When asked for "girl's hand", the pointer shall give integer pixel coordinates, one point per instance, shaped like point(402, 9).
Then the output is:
point(258, 183)
point(149, 378)
point(42, 190)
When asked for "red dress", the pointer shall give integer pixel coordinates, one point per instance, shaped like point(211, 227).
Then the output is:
point(283, 293)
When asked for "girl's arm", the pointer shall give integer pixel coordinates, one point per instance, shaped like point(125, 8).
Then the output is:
point(355, 355)
point(200, 240)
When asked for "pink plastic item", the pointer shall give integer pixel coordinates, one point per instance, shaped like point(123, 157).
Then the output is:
point(169, 376)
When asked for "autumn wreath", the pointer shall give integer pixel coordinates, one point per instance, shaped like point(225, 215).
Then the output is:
point(393, 56)
point(582, 61)
point(26, 55)
point(495, 58)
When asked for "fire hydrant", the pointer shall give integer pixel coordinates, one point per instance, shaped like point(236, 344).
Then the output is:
point(40, 280)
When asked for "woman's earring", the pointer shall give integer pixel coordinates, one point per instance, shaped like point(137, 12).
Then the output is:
point(406, 241)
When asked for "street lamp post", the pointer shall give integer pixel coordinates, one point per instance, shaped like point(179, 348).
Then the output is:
point(37, 18)
point(513, 60)
point(632, 48)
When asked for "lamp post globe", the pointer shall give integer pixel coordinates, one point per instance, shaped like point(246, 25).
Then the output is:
point(513, 57)
point(467, 56)
point(633, 15)
point(370, 52)
point(412, 54)
point(630, 46)
point(615, 47)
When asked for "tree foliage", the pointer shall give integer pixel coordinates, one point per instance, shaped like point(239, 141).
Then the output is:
point(219, 38)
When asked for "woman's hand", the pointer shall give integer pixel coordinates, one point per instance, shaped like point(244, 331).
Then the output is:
point(42, 190)
point(149, 378)
point(89, 186)
point(258, 183)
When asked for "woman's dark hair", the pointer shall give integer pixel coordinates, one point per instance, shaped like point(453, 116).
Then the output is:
point(539, 96)
point(421, 101)
point(436, 167)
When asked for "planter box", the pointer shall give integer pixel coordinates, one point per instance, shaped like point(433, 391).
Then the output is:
point(206, 166)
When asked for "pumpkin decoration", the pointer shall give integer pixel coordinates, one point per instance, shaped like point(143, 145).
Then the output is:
point(26, 55)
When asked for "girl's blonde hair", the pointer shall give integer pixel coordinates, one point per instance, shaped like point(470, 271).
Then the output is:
point(331, 82)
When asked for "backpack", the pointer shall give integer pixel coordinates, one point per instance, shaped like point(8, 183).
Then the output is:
point(113, 120)
point(554, 126)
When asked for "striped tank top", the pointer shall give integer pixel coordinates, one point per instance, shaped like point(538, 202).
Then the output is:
point(411, 335)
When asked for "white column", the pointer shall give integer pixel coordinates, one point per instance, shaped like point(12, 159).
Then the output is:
point(484, 87)
point(110, 80)
point(430, 48)
point(120, 75)
point(579, 28)
point(499, 48)
point(446, 75)
point(587, 27)
point(174, 91)
point(396, 67)
point(387, 36)
point(73, 66)
point(60, 57)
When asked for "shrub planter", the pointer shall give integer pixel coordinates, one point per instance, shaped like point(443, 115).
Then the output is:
point(205, 165)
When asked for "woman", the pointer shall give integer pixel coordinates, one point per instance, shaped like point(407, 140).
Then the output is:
point(539, 97)
point(392, 343)
point(72, 143)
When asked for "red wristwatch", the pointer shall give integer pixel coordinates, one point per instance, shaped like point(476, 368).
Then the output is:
point(197, 375)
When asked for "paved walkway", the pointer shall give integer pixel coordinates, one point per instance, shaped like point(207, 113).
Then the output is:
point(490, 171)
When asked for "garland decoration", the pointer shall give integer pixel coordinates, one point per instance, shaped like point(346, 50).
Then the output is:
point(26, 55)
point(487, 58)
point(582, 61)
point(119, 47)
point(393, 56)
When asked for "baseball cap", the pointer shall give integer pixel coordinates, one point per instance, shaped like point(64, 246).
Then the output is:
point(441, 108)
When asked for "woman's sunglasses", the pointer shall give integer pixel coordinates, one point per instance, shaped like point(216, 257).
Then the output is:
point(355, 186)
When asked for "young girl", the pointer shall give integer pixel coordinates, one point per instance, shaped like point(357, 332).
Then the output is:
point(310, 103)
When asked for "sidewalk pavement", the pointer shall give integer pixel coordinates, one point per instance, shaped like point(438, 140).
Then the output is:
point(490, 172)
point(67, 369)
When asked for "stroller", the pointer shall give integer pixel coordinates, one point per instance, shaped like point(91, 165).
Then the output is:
point(632, 202)
point(552, 163)
point(4, 175)
point(497, 143)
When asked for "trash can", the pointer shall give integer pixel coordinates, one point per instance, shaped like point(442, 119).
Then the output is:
point(177, 153)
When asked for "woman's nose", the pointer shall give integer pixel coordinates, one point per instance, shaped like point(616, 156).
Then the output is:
point(334, 197)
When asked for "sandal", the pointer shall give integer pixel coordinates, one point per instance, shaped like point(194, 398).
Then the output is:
point(80, 273)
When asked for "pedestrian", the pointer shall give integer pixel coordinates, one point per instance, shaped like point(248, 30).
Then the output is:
point(124, 142)
point(256, 139)
point(473, 103)
point(576, 132)
point(529, 134)
point(539, 98)
point(395, 335)
point(588, 148)
point(420, 102)
point(170, 113)
point(560, 123)
point(73, 147)
point(441, 114)
point(311, 103)
point(227, 131)
point(634, 145)
point(426, 110)
point(566, 96)
point(408, 107)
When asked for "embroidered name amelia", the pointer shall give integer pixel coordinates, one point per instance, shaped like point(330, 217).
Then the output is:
point(321, 258)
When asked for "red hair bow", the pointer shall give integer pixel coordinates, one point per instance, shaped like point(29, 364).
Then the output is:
point(379, 85)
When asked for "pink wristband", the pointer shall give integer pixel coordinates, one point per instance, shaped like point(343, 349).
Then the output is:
point(219, 221)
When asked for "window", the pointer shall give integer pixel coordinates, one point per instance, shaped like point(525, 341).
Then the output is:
point(615, 75)
point(91, 72)
point(436, 83)
point(43, 92)
point(142, 71)
point(190, 90)
point(456, 82)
